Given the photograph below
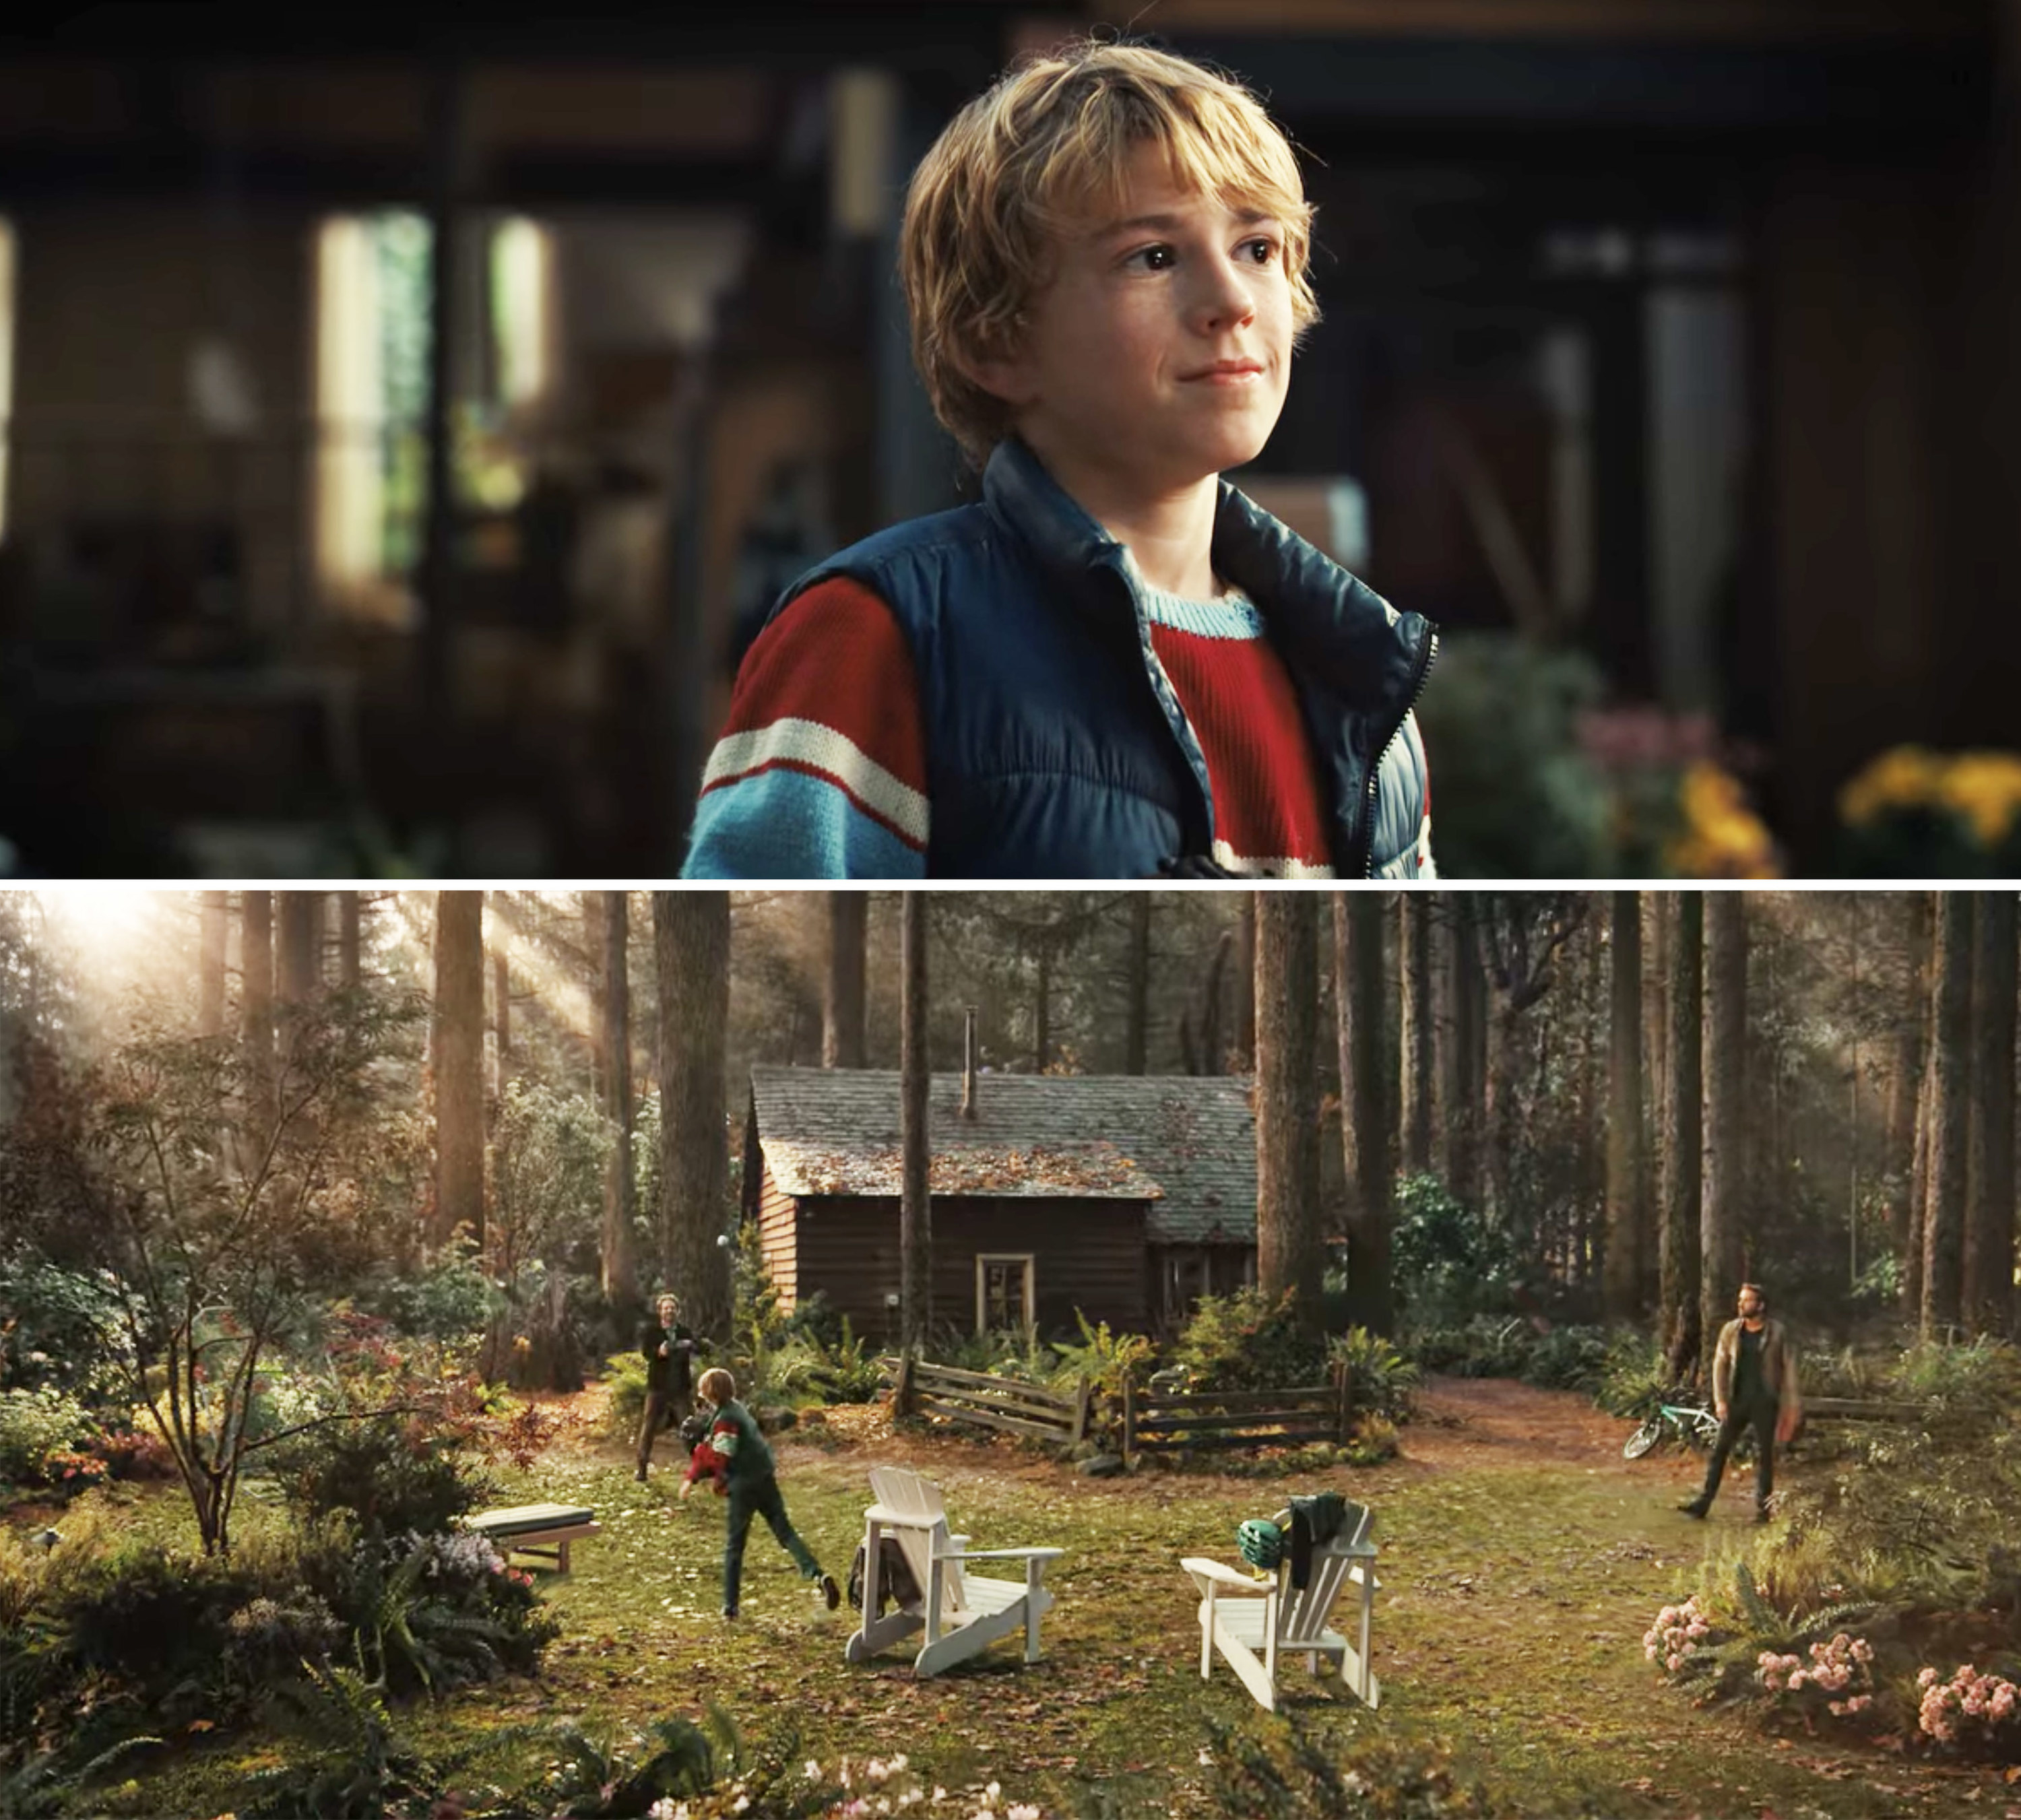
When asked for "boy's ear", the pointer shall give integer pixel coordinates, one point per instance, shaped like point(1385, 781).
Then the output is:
point(1001, 370)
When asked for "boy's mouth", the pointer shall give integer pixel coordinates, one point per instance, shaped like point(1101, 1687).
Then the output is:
point(1227, 372)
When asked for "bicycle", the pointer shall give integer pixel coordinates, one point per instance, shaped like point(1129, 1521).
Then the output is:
point(1692, 1423)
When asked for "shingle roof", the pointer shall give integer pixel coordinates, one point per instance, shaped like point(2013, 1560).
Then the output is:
point(1186, 1143)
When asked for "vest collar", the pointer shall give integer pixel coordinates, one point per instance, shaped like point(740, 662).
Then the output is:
point(1333, 628)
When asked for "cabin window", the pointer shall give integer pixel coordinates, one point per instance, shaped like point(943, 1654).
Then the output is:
point(1004, 1293)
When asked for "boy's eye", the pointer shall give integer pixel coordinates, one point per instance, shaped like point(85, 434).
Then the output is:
point(1262, 250)
point(1159, 258)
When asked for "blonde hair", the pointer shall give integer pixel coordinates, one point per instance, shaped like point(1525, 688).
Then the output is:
point(717, 1385)
point(1023, 162)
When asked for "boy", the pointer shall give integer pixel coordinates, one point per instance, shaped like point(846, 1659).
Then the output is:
point(669, 1348)
point(1115, 665)
point(754, 1490)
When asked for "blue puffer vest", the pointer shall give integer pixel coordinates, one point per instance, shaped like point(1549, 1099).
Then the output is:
point(1055, 747)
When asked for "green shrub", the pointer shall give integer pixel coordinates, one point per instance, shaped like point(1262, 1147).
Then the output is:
point(1102, 1357)
point(847, 1371)
point(35, 1425)
point(614, 1776)
point(1568, 1358)
point(430, 1612)
point(1245, 1341)
point(1634, 1377)
point(62, 1329)
point(159, 1622)
point(1482, 1346)
point(1965, 1388)
point(1447, 1261)
point(1002, 1354)
point(450, 1300)
point(624, 1376)
point(1518, 796)
point(347, 1760)
point(394, 1476)
point(1380, 1381)
point(1276, 1770)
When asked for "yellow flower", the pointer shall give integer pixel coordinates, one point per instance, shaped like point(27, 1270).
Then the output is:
point(1984, 787)
point(1906, 777)
point(1723, 838)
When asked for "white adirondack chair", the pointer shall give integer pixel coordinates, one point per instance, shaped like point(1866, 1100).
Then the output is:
point(960, 1612)
point(1254, 1623)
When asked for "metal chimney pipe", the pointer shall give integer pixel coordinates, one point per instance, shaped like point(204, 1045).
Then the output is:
point(968, 1065)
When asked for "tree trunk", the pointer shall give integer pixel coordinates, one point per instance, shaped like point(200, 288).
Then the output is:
point(614, 1253)
point(1905, 1098)
point(842, 999)
point(691, 943)
point(501, 1024)
point(256, 981)
point(1590, 1186)
point(916, 1229)
point(1989, 1230)
point(1245, 992)
point(1042, 1009)
point(1291, 1253)
point(1357, 946)
point(459, 1024)
point(295, 931)
point(594, 960)
point(1680, 1329)
point(1726, 1105)
point(1461, 1073)
point(1658, 909)
point(210, 964)
point(350, 946)
point(1136, 1045)
point(1620, 1276)
point(1918, 1222)
point(1943, 1237)
point(1414, 1121)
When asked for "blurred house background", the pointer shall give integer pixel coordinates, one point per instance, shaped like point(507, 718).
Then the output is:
point(406, 416)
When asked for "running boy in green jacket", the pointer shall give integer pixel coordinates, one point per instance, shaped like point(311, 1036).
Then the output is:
point(754, 1490)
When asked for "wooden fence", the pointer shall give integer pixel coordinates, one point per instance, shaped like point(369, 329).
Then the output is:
point(1862, 1409)
point(982, 1401)
point(1172, 1421)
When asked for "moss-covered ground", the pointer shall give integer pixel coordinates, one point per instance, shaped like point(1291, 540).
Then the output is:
point(1522, 1560)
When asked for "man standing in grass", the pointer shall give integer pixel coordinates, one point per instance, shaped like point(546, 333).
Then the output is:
point(754, 1491)
point(669, 1350)
point(1754, 1386)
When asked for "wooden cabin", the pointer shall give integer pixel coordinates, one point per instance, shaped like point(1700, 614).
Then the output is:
point(1125, 1197)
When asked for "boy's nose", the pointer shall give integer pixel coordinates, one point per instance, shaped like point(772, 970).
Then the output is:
point(1229, 297)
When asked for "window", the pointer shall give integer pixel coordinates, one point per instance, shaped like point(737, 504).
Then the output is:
point(374, 277)
point(1003, 1297)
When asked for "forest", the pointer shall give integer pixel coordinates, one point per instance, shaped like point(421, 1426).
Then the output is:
point(326, 1217)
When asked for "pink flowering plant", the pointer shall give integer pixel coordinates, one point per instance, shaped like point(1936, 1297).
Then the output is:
point(1971, 1712)
point(1676, 1639)
point(1838, 1679)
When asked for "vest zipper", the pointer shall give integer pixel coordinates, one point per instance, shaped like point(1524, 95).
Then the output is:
point(1370, 793)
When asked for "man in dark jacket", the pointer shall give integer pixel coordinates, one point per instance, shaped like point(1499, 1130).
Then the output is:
point(669, 1351)
point(1754, 1386)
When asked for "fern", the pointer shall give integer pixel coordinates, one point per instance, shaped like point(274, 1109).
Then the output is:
point(1759, 1612)
point(42, 1787)
point(1102, 1357)
point(356, 1763)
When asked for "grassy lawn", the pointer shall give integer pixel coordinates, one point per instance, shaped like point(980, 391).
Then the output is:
point(1522, 1560)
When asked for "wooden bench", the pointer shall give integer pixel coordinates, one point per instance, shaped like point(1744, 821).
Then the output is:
point(544, 1531)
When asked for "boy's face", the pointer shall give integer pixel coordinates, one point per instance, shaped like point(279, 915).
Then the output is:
point(1160, 352)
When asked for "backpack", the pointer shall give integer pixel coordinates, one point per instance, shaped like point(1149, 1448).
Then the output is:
point(895, 1583)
